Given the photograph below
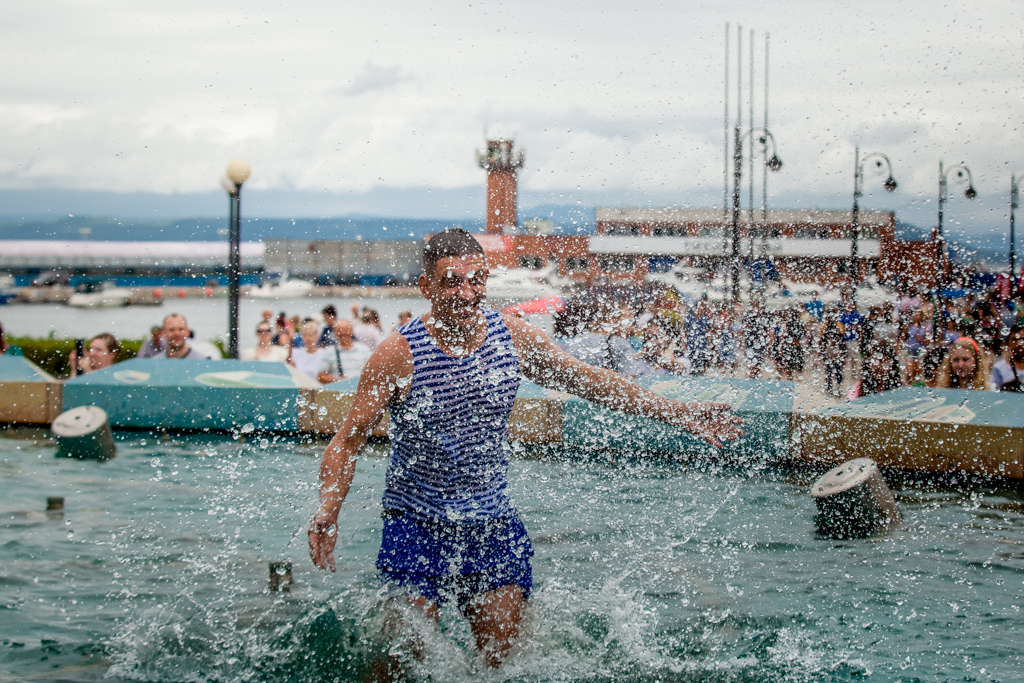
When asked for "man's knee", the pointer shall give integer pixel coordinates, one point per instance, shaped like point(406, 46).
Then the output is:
point(495, 617)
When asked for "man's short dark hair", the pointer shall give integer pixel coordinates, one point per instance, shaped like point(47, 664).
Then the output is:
point(330, 311)
point(453, 242)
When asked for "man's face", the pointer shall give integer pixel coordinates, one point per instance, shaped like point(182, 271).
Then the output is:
point(343, 331)
point(458, 288)
point(175, 331)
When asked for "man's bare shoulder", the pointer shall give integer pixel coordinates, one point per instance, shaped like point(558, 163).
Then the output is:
point(393, 350)
point(392, 358)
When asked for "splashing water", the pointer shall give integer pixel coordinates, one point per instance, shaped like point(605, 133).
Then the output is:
point(645, 570)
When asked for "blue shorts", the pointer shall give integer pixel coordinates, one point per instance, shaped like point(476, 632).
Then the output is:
point(442, 560)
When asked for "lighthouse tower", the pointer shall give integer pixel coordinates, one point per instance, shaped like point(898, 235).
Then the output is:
point(502, 162)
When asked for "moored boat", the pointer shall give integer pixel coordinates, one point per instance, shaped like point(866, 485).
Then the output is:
point(282, 287)
point(96, 294)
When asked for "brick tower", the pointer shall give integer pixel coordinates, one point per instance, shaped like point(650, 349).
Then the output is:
point(502, 162)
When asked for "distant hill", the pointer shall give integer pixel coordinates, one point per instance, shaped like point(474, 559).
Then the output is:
point(570, 220)
point(986, 242)
point(910, 232)
point(207, 229)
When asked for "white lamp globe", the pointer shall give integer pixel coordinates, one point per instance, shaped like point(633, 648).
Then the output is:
point(238, 171)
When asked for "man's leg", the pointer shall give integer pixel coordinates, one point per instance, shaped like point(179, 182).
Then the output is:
point(398, 631)
point(495, 617)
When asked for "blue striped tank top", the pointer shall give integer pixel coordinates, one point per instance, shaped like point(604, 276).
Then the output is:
point(449, 438)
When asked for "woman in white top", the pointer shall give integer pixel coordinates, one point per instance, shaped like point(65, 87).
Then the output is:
point(265, 350)
point(315, 361)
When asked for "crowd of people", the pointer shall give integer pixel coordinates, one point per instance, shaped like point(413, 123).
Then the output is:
point(326, 349)
point(973, 342)
point(979, 343)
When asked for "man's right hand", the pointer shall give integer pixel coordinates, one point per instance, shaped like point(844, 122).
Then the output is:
point(323, 534)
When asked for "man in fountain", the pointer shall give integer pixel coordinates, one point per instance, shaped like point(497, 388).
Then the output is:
point(449, 379)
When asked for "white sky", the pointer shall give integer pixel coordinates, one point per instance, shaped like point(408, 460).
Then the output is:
point(618, 98)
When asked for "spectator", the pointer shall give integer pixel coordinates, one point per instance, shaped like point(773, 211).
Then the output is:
point(203, 348)
point(265, 349)
point(659, 349)
point(366, 327)
point(698, 337)
point(8, 349)
point(403, 318)
point(917, 337)
point(728, 348)
point(989, 324)
point(815, 307)
point(596, 331)
point(853, 323)
point(176, 339)
point(884, 330)
point(153, 347)
point(756, 330)
point(350, 354)
point(327, 337)
point(1008, 373)
point(298, 341)
point(788, 348)
point(833, 352)
point(282, 333)
point(950, 334)
point(583, 323)
point(103, 351)
point(314, 361)
point(881, 371)
point(931, 361)
point(965, 367)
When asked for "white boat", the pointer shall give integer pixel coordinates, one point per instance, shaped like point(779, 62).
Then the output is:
point(517, 284)
point(92, 294)
point(7, 290)
point(281, 288)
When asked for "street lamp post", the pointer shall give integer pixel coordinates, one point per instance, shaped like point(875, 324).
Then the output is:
point(774, 163)
point(858, 191)
point(237, 173)
point(940, 251)
point(1013, 206)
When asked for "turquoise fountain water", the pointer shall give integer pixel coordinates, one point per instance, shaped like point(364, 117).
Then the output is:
point(647, 570)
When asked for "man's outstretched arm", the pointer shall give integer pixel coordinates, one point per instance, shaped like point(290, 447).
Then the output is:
point(546, 364)
point(377, 383)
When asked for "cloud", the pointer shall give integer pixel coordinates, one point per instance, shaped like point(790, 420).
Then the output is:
point(610, 99)
point(374, 77)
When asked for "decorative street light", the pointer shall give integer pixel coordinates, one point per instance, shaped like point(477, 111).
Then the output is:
point(237, 173)
point(774, 163)
point(961, 172)
point(1013, 206)
point(858, 192)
